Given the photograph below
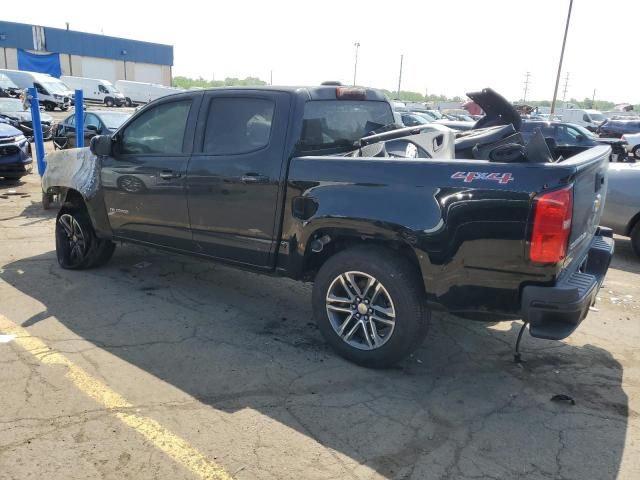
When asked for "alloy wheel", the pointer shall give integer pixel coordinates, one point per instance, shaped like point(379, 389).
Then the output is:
point(360, 310)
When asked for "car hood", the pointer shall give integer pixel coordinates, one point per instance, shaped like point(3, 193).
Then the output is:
point(7, 130)
point(498, 110)
point(609, 141)
point(26, 116)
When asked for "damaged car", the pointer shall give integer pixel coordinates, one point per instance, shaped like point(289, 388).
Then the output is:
point(15, 153)
point(319, 184)
point(12, 110)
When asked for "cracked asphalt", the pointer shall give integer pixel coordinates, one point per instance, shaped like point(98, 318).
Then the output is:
point(231, 363)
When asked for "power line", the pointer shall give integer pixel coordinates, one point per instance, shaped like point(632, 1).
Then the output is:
point(566, 87)
point(526, 86)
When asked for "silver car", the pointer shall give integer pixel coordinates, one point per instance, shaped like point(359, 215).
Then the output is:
point(622, 206)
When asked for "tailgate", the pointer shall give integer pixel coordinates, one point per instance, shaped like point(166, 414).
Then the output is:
point(589, 192)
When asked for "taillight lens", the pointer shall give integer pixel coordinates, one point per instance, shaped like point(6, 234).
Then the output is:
point(551, 226)
point(351, 93)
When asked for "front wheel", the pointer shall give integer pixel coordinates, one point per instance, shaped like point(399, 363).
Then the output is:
point(368, 304)
point(77, 246)
point(108, 102)
point(635, 152)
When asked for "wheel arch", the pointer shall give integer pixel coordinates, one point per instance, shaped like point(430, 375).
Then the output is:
point(632, 223)
point(332, 240)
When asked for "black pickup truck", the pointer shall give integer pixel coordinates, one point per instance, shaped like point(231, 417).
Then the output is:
point(318, 184)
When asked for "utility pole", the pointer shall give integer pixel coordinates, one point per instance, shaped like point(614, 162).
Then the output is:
point(400, 76)
point(271, 77)
point(566, 87)
point(564, 42)
point(355, 64)
point(526, 87)
point(593, 99)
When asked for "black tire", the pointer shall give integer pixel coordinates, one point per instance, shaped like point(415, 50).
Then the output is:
point(77, 246)
point(635, 152)
point(635, 239)
point(401, 283)
point(49, 107)
point(108, 102)
point(128, 102)
point(63, 109)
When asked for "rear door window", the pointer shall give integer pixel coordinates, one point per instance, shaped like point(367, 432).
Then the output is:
point(237, 125)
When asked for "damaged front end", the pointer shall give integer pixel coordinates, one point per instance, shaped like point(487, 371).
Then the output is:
point(74, 176)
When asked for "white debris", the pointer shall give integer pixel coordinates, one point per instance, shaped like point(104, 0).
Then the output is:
point(142, 264)
point(6, 338)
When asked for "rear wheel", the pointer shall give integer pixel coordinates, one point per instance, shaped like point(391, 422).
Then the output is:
point(635, 239)
point(128, 102)
point(77, 246)
point(369, 306)
point(635, 152)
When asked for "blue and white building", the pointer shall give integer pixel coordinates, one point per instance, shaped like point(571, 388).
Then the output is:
point(66, 52)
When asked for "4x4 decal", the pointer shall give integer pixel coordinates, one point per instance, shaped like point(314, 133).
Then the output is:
point(469, 177)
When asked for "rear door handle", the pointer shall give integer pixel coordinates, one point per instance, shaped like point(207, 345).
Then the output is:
point(169, 174)
point(254, 178)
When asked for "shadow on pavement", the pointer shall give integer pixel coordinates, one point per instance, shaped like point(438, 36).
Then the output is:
point(234, 340)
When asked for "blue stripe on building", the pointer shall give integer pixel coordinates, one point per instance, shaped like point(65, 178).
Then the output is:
point(57, 40)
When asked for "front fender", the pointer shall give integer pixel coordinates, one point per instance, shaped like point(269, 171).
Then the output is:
point(78, 170)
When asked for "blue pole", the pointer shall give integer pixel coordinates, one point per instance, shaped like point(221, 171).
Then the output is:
point(36, 123)
point(79, 102)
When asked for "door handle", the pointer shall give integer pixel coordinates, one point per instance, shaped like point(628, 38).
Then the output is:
point(169, 174)
point(254, 178)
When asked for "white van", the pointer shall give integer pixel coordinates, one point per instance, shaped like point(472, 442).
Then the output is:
point(95, 90)
point(139, 92)
point(52, 92)
point(590, 119)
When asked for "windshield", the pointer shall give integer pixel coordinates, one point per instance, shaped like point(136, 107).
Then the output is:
point(5, 82)
point(113, 120)
point(55, 87)
point(10, 105)
point(584, 131)
point(110, 88)
point(436, 114)
point(331, 123)
point(598, 117)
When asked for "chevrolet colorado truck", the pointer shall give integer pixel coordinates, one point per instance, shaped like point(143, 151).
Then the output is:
point(319, 184)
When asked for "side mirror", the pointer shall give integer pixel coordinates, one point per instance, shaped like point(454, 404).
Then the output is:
point(101, 145)
point(580, 138)
point(93, 128)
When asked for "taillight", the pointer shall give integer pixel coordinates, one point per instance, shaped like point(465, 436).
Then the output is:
point(551, 226)
point(351, 93)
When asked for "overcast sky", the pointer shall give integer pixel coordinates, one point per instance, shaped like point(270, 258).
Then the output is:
point(449, 47)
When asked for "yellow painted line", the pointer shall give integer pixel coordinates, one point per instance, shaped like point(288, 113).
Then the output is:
point(163, 439)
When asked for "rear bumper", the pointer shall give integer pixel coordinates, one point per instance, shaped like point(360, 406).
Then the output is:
point(555, 312)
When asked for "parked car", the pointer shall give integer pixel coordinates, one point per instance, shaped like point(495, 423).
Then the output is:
point(15, 153)
point(96, 122)
point(140, 93)
point(95, 90)
point(7, 87)
point(590, 119)
point(569, 139)
point(632, 141)
point(617, 128)
point(410, 119)
point(12, 110)
point(622, 207)
point(291, 182)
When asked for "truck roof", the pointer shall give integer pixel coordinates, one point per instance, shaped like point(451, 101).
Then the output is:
point(321, 92)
